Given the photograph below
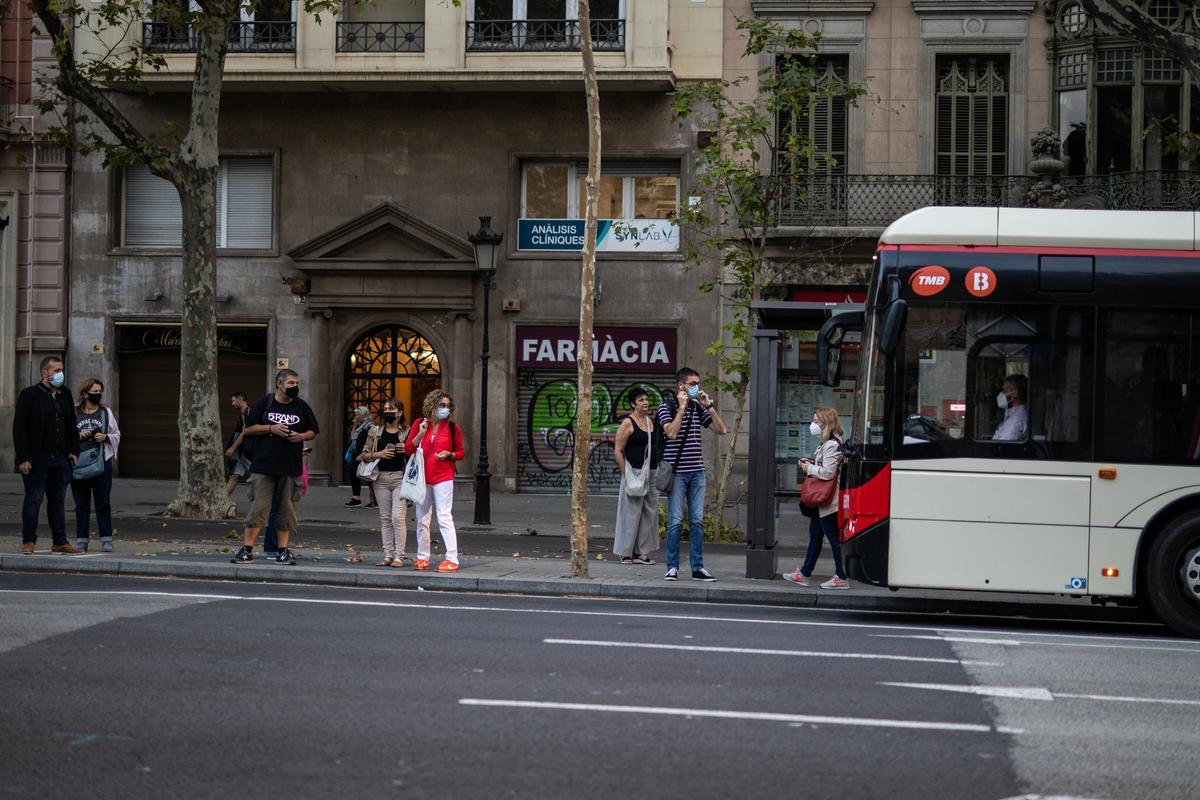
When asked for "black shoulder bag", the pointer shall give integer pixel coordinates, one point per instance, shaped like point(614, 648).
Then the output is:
point(666, 472)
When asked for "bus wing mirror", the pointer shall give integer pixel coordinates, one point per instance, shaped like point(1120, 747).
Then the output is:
point(893, 324)
point(829, 345)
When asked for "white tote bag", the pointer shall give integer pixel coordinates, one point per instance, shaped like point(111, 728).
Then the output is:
point(368, 470)
point(637, 481)
point(413, 487)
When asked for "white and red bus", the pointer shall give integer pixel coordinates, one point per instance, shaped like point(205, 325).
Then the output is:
point(1027, 414)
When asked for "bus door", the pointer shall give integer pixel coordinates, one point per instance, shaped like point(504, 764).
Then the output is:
point(985, 494)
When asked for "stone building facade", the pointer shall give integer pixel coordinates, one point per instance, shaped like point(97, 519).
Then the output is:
point(350, 181)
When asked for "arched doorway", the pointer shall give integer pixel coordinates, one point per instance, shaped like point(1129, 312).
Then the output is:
point(390, 361)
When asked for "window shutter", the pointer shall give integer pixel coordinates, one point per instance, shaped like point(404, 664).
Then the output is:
point(153, 217)
point(972, 116)
point(249, 202)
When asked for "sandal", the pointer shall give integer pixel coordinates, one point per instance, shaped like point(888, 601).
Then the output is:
point(641, 559)
point(387, 562)
point(400, 562)
point(626, 560)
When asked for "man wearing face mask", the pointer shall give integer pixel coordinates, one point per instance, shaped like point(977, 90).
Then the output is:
point(47, 445)
point(682, 417)
point(281, 423)
point(1015, 425)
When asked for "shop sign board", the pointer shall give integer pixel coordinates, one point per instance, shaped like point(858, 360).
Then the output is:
point(612, 235)
point(628, 349)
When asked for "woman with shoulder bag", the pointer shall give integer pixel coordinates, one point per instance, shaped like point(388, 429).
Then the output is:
point(385, 444)
point(821, 483)
point(638, 450)
point(440, 442)
point(358, 438)
point(91, 480)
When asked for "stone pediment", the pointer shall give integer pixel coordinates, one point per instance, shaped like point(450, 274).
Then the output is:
point(387, 238)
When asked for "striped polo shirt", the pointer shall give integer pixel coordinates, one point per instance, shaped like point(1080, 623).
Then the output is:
point(692, 459)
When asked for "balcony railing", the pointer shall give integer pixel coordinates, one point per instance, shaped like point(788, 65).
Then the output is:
point(542, 35)
point(878, 200)
point(266, 36)
point(381, 37)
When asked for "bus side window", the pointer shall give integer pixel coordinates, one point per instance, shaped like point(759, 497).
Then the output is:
point(1148, 406)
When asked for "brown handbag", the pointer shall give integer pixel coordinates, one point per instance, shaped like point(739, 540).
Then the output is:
point(817, 492)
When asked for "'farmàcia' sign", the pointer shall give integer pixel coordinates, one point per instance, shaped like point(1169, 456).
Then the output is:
point(628, 349)
point(612, 235)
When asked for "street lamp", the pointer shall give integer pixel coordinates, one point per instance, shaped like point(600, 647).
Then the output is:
point(487, 244)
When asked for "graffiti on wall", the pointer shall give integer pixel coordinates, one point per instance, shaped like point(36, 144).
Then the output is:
point(546, 448)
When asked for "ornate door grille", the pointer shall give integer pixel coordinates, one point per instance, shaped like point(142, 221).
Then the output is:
point(392, 361)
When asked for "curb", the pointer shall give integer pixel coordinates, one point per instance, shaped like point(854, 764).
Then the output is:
point(567, 587)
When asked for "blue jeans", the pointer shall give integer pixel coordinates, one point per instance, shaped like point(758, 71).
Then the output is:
point(818, 528)
point(100, 488)
point(47, 480)
point(691, 485)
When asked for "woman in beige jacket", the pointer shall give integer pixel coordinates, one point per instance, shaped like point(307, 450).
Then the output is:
point(826, 463)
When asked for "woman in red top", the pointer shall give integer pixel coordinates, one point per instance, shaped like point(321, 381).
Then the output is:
point(441, 445)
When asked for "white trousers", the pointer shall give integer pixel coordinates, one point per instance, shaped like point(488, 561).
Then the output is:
point(441, 495)
point(393, 513)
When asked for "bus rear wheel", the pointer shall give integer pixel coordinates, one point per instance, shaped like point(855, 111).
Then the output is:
point(1172, 575)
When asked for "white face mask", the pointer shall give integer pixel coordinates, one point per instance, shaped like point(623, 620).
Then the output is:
point(1002, 400)
point(814, 428)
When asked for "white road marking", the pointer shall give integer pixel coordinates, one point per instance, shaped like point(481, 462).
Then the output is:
point(1021, 692)
point(940, 630)
point(1118, 699)
point(1015, 642)
point(758, 716)
point(766, 652)
point(1047, 797)
point(1038, 693)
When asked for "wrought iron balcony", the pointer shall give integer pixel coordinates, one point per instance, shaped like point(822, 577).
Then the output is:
point(878, 200)
point(256, 36)
point(381, 37)
point(542, 35)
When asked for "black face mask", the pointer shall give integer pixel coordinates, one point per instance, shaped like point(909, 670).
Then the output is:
point(292, 392)
point(389, 416)
point(95, 397)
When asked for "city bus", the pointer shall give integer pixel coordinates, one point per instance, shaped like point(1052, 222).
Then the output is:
point(1027, 412)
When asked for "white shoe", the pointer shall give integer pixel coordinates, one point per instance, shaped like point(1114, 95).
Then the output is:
point(835, 583)
point(797, 577)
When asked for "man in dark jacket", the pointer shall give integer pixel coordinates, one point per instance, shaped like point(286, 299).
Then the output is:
point(47, 445)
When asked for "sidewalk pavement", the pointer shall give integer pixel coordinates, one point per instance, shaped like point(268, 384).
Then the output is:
point(536, 565)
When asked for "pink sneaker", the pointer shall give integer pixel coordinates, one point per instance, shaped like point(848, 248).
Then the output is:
point(797, 577)
point(835, 583)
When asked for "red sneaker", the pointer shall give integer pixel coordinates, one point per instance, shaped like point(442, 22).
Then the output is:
point(421, 563)
point(447, 566)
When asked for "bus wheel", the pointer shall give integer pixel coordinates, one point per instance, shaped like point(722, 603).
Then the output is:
point(1172, 575)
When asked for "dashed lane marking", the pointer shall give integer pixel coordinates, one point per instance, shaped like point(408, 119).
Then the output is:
point(1043, 643)
point(1039, 693)
point(756, 716)
point(758, 651)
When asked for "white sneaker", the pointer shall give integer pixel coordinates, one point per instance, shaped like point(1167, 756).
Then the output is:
point(797, 577)
point(672, 575)
point(835, 583)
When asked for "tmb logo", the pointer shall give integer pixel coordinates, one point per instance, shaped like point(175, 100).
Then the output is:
point(928, 281)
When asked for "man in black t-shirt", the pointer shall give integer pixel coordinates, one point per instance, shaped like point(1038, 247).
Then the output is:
point(281, 423)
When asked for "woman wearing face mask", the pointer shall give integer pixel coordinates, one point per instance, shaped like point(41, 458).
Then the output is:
point(441, 444)
point(385, 444)
point(825, 464)
point(97, 427)
point(639, 437)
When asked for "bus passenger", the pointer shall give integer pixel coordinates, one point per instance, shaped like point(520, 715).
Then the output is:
point(1015, 425)
point(825, 464)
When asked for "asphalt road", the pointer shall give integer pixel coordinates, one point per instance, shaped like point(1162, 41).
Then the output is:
point(142, 688)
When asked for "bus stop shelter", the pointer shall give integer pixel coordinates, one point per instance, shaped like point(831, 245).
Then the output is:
point(773, 319)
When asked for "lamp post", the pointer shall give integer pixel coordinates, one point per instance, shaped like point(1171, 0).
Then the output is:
point(487, 244)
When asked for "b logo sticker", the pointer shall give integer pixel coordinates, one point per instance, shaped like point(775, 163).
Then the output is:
point(928, 281)
point(981, 281)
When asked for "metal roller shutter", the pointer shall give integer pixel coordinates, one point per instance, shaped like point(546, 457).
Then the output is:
point(546, 403)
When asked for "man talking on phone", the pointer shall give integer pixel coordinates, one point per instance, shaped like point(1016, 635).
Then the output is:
point(281, 423)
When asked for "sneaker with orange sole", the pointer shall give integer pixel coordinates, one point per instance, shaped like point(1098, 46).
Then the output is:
point(447, 566)
point(421, 563)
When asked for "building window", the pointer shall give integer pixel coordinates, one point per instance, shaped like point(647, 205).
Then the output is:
point(628, 190)
point(822, 125)
point(972, 115)
point(151, 215)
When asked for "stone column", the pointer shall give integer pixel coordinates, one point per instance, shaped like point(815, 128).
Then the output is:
point(322, 462)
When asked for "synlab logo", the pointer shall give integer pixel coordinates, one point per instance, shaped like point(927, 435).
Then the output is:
point(928, 281)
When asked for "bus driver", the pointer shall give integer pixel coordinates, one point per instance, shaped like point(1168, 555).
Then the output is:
point(1015, 424)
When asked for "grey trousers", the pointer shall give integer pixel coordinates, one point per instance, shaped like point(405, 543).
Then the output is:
point(637, 522)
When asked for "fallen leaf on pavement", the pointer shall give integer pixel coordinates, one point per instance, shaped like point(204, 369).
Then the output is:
point(354, 559)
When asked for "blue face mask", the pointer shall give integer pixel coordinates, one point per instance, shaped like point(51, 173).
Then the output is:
point(443, 413)
point(693, 392)
point(58, 379)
